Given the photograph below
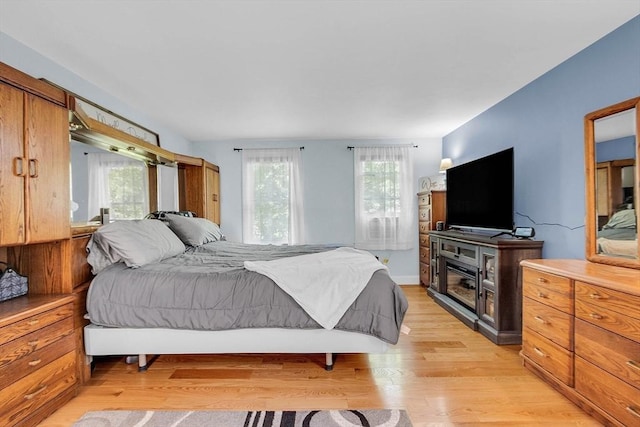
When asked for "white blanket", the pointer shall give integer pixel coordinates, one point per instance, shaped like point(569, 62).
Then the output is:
point(325, 284)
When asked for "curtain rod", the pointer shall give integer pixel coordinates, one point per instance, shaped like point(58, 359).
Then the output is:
point(379, 146)
point(240, 149)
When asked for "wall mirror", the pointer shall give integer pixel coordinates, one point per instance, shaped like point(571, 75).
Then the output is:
point(612, 184)
point(101, 178)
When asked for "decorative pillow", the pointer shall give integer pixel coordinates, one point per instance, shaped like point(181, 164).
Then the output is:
point(135, 242)
point(622, 219)
point(194, 231)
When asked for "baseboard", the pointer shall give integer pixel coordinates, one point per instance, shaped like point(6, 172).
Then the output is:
point(406, 280)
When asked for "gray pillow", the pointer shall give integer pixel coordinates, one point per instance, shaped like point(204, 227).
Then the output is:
point(194, 231)
point(622, 219)
point(135, 242)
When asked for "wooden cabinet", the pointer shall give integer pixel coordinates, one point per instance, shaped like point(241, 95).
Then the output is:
point(199, 187)
point(37, 362)
point(582, 334)
point(477, 280)
point(61, 267)
point(34, 163)
point(431, 209)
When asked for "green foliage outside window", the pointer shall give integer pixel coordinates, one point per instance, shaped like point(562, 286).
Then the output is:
point(271, 197)
point(381, 187)
point(127, 192)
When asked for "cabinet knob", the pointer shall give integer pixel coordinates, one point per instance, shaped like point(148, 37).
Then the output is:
point(633, 411)
point(539, 352)
point(541, 320)
point(633, 364)
point(35, 393)
point(596, 316)
point(541, 295)
point(542, 280)
point(595, 296)
point(18, 166)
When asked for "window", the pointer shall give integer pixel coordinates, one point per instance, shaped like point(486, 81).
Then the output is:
point(272, 206)
point(383, 197)
point(118, 183)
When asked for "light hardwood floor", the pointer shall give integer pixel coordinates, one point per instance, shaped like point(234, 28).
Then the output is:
point(442, 373)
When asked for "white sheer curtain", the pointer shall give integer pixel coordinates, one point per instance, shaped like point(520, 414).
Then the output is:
point(272, 207)
point(383, 197)
point(118, 183)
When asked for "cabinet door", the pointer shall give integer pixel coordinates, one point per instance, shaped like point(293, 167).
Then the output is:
point(47, 149)
point(12, 166)
point(212, 204)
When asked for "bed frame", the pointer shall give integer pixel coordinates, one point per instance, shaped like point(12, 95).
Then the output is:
point(104, 341)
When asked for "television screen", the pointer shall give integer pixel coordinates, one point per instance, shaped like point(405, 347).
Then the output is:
point(480, 193)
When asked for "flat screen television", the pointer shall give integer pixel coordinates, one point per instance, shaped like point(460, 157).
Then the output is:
point(480, 193)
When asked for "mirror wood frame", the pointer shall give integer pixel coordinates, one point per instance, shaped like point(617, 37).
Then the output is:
point(591, 220)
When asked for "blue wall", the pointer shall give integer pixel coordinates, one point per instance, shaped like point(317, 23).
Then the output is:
point(327, 175)
point(544, 123)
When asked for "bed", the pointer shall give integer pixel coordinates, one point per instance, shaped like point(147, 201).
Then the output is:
point(619, 235)
point(178, 287)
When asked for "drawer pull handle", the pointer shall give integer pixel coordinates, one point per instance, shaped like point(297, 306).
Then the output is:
point(542, 280)
point(33, 343)
point(540, 320)
point(595, 296)
point(34, 362)
point(33, 322)
point(596, 316)
point(541, 295)
point(35, 393)
point(539, 352)
point(633, 364)
point(633, 411)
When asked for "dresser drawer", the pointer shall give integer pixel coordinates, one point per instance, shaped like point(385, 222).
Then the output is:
point(548, 355)
point(424, 213)
point(424, 273)
point(613, 310)
point(423, 239)
point(616, 397)
point(424, 199)
point(424, 254)
point(600, 313)
point(26, 354)
point(424, 226)
point(611, 352)
point(33, 323)
point(549, 322)
point(549, 289)
point(33, 391)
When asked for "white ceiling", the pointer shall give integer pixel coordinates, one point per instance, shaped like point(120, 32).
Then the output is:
point(311, 69)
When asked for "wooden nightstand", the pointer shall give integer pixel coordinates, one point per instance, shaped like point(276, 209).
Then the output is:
point(37, 357)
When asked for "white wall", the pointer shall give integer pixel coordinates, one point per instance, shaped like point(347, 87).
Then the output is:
point(329, 193)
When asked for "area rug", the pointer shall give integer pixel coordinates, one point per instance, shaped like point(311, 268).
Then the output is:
point(324, 418)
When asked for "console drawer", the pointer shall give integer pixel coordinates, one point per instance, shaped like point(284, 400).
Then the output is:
point(549, 289)
point(33, 391)
point(26, 354)
point(548, 355)
point(548, 322)
point(614, 396)
point(611, 352)
point(33, 323)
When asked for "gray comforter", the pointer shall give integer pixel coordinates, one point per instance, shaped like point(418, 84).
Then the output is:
point(207, 288)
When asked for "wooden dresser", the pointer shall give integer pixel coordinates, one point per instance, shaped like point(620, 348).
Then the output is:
point(581, 334)
point(37, 358)
point(431, 209)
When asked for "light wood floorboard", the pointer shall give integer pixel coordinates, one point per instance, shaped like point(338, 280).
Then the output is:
point(442, 373)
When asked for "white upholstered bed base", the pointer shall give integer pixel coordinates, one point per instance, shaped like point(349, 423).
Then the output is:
point(103, 341)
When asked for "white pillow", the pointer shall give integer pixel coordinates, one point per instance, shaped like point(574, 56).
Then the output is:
point(135, 242)
point(194, 231)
